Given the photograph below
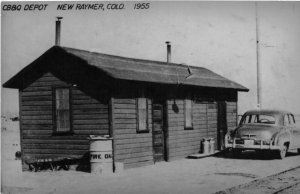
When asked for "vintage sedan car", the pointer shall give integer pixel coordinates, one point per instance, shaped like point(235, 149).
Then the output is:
point(265, 130)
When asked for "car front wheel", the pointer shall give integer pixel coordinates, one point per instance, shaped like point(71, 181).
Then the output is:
point(282, 152)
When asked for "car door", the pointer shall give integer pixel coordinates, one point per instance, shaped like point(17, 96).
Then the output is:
point(289, 129)
point(295, 132)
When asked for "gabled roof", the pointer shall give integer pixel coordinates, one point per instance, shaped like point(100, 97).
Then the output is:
point(123, 68)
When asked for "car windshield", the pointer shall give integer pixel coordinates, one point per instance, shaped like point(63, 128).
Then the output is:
point(258, 118)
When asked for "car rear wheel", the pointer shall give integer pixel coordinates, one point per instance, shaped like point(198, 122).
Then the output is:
point(298, 150)
point(282, 152)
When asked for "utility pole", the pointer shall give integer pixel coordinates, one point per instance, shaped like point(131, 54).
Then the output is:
point(259, 101)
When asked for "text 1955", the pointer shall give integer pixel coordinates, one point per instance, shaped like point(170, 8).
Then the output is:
point(142, 6)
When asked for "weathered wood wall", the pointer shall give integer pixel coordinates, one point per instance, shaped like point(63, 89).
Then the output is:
point(184, 142)
point(131, 148)
point(90, 117)
point(134, 149)
point(231, 115)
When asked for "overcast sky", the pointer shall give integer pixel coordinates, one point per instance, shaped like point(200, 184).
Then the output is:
point(217, 35)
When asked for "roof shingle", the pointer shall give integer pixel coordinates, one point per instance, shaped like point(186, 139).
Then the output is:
point(154, 71)
point(138, 70)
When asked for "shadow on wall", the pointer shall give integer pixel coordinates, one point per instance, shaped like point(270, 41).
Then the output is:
point(175, 107)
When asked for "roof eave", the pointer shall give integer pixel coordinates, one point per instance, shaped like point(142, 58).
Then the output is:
point(15, 81)
point(239, 89)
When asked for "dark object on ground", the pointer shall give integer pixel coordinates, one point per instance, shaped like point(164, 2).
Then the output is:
point(18, 155)
point(49, 163)
point(84, 163)
point(15, 119)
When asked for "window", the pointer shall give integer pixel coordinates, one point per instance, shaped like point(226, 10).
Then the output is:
point(292, 119)
point(62, 110)
point(188, 113)
point(263, 119)
point(286, 120)
point(289, 120)
point(142, 115)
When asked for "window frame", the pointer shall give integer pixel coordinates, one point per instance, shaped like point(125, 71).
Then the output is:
point(187, 127)
point(286, 120)
point(291, 119)
point(138, 130)
point(54, 115)
point(255, 118)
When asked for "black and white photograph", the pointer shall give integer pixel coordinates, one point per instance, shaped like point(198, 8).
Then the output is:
point(150, 97)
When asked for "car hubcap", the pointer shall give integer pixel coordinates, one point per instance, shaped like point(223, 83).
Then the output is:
point(283, 152)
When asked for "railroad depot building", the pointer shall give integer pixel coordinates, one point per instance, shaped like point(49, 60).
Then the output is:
point(154, 111)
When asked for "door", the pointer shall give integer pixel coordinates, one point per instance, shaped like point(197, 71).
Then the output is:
point(158, 132)
point(222, 124)
point(295, 131)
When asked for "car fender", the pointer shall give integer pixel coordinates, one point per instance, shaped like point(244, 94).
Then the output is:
point(227, 136)
point(282, 137)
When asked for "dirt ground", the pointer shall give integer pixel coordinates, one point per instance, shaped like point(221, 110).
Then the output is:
point(206, 175)
point(281, 183)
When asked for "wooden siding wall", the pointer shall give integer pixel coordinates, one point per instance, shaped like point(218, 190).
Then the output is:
point(231, 115)
point(184, 142)
point(90, 117)
point(131, 148)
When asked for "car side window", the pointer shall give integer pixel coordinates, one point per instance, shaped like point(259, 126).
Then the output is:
point(255, 119)
point(286, 120)
point(292, 119)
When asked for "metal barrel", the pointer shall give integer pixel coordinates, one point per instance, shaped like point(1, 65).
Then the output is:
point(101, 158)
point(205, 146)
